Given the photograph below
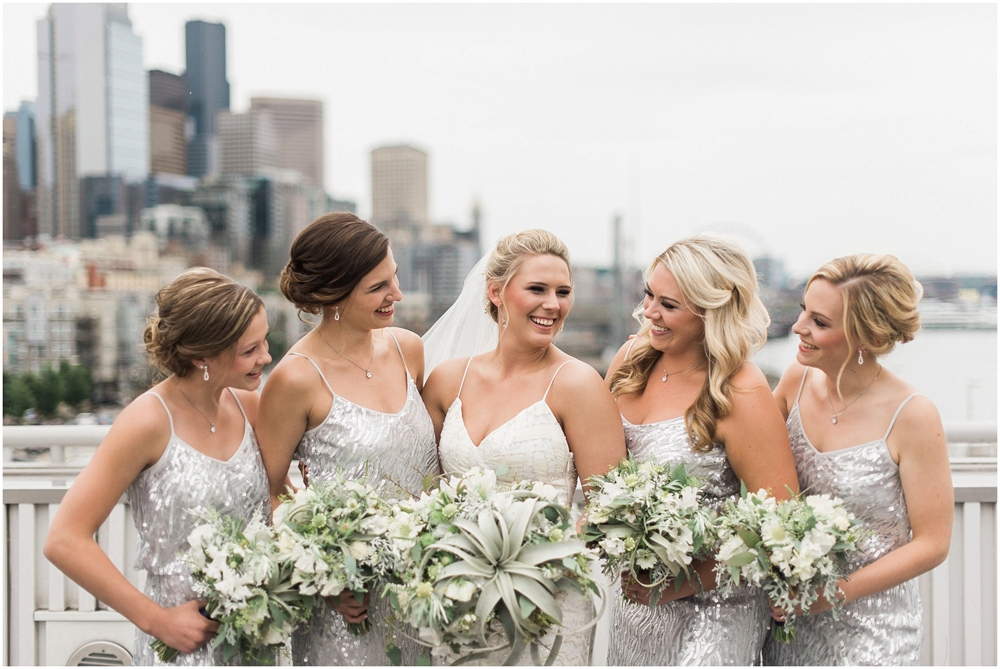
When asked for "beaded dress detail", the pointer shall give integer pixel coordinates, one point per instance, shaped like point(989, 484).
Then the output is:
point(705, 628)
point(161, 496)
point(398, 450)
point(533, 448)
point(884, 628)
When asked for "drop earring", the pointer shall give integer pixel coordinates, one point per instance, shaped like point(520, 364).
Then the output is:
point(336, 314)
point(205, 367)
point(861, 359)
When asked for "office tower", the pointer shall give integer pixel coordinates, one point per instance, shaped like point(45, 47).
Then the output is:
point(298, 126)
point(92, 113)
point(25, 146)
point(399, 187)
point(247, 143)
point(167, 118)
point(13, 225)
point(208, 91)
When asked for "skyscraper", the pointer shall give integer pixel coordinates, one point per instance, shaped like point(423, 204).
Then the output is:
point(399, 187)
point(247, 143)
point(92, 115)
point(208, 91)
point(298, 126)
point(167, 119)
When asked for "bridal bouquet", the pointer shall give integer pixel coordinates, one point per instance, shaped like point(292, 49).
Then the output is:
point(470, 556)
point(334, 534)
point(795, 549)
point(645, 517)
point(247, 585)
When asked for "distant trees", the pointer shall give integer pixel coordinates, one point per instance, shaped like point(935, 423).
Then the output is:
point(43, 392)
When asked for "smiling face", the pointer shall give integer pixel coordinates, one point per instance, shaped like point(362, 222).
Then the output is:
point(822, 341)
point(370, 305)
point(241, 366)
point(676, 327)
point(536, 300)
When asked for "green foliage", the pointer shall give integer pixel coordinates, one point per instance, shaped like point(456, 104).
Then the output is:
point(70, 383)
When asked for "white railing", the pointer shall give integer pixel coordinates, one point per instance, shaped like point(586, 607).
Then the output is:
point(49, 617)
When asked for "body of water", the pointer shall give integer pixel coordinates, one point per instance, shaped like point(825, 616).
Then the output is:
point(957, 369)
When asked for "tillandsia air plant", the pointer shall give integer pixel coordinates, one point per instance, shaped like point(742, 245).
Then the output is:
point(650, 519)
point(479, 568)
point(247, 585)
point(334, 535)
point(795, 549)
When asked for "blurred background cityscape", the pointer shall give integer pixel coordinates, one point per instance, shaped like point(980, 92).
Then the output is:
point(116, 178)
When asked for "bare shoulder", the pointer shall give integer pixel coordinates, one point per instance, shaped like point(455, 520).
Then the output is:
point(620, 356)
point(293, 373)
point(749, 378)
point(250, 401)
point(141, 429)
point(444, 380)
point(409, 341)
point(919, 420)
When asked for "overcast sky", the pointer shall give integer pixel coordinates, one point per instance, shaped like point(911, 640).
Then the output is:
point(809, 131)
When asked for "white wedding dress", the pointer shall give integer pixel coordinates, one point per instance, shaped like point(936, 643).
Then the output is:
point(533, 447)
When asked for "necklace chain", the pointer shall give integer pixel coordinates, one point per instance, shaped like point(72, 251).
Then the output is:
point(210, 422)
point(366, 370)
point(830, 397)
point(667, 375)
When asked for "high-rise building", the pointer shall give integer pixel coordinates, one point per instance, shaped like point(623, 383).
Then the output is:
point(92, 116)
point(208, 91)
point(298, 126)
point(399, 187)
point(24, 144)
point(167, 120)
point(12, 217)
point(248, 144)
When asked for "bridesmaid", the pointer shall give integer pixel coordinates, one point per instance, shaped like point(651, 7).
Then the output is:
point(861, 433)
point(688, 393)
point(188, 442)
point(347, 396)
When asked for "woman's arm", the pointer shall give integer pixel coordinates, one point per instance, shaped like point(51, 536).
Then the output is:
point(441, 389)
point(590, 420)
point(136, 440)
point(282, 419)
point(413, 352)
point(788, 388)
point(925, 474)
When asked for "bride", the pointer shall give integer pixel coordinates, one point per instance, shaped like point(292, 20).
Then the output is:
point(521, 406)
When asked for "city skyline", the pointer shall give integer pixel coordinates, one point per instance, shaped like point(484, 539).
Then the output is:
point(807, 131)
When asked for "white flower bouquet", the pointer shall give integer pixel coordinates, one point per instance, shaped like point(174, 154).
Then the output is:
point(645, 517)
point(334, 534)
point(247, 586)
point(795, 549)
point(470, 557)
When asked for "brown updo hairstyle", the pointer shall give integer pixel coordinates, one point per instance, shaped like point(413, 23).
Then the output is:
point(201, 313)
point(511, 251)
point(328, 260)
point(880, 302)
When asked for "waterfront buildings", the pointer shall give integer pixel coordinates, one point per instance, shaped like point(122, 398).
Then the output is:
point(208, 91)
point(298, 130)
point(92, 112)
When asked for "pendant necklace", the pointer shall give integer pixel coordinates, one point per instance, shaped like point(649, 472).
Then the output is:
point(667, 375)
point(830, 398)
point(210, 422)
point(367, 371)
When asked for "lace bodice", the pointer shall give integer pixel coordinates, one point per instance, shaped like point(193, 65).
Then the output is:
point(531, 445)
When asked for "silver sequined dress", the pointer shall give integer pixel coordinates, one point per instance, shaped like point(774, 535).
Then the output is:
point(161, 496)
point(398, 449)
point(531, 446)
point(705, 628)
point(884, 628)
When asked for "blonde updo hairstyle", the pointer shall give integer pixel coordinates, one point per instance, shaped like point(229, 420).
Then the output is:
point(328, 259)
point(719, 283)
point(880, 302)
point(199, 314)
point(510, 253)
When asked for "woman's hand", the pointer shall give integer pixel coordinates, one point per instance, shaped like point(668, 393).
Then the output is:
point(348, 606)
point(821, 604)
point(183, 627)
point(639, 592)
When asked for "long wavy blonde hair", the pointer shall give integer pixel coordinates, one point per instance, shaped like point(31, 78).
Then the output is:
point(719, 281)
point(880, 302)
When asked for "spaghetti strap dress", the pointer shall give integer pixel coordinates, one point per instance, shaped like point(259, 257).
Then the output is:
point(161, 498)
point(393, 452)
point(532, 447)
point(884, 628)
